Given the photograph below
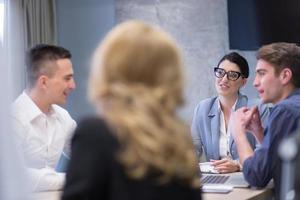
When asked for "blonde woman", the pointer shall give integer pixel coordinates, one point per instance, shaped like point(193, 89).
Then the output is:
point(137, 148)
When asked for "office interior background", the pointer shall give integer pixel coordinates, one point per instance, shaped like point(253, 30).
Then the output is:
point(200, 27)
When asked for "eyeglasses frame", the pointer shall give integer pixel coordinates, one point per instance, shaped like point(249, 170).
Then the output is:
point(227, 72)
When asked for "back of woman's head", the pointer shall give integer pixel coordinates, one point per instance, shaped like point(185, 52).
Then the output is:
point(136, 80)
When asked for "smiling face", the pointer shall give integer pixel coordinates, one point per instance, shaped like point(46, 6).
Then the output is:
point(226, 87)
point(61, 83)
point(268, 83)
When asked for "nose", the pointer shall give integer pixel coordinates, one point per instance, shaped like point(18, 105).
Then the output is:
point(72, 84)
point(255, 82)
point(225, 78)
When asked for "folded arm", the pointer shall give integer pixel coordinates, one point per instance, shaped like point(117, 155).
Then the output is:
point(45, 179)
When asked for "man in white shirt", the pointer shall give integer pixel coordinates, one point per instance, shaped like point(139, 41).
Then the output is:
point(43, 129)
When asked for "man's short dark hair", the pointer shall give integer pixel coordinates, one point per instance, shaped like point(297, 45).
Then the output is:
point(282, 55)
point(37, 58)
point(239, 60)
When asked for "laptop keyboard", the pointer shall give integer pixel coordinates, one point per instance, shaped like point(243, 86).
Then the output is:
point(213, 179)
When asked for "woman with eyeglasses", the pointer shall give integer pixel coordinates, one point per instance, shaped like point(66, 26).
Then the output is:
point(210, 130)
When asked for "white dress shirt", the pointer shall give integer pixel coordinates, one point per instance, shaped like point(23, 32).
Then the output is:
point(41, 139)
point(224, 134)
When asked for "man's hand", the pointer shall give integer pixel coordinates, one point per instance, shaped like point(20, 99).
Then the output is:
point(238, 124)
point(254, 124)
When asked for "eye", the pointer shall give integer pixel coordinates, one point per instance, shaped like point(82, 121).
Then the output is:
point(234, 75)
point(219, 72)
point(261, 73)
point(68, 78)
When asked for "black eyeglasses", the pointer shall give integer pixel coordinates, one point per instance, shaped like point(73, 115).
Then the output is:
point(231, 75)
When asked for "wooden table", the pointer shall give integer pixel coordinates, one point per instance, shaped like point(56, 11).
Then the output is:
point(236, 194)
point(50, 195)
point(241, 193)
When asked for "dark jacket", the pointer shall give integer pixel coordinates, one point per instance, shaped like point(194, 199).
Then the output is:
point(95, 173)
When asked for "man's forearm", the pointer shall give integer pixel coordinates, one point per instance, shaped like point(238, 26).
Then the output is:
point(244, 148)
point(45, 179)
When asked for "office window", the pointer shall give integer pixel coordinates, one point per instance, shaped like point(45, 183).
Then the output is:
point(1, 21)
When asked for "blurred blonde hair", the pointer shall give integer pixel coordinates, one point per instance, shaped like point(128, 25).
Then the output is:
point(136, 81)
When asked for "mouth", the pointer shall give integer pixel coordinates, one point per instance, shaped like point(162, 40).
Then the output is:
point(222, 86)
point(66, 94)
point(260, 92)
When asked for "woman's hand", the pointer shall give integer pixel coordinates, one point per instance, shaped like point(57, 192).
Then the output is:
point(226, 165)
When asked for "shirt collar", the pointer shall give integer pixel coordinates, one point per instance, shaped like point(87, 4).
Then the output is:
point(33, 110)
point(232, 108)
point(294, 92)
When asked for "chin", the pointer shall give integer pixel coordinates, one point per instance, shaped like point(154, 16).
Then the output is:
point(222, 92)
point(61, 103)
point(265, 100)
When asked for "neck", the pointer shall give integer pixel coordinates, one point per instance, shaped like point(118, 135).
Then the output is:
point(227, 102)
point(286, 91)
point(39, 99)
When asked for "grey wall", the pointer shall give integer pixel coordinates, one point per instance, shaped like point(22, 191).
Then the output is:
point(200, 27)
point(81, 25)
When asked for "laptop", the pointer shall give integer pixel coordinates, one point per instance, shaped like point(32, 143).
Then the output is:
point(232, 179)
point(212, 176)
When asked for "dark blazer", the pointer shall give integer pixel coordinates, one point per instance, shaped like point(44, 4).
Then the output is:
point(95, 173)
point(206, 126)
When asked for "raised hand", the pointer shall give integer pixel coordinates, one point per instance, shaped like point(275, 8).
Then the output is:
point(238, 122)
point(254, 124)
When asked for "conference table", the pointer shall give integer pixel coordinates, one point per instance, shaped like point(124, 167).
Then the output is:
point(50, 195)
point(241, 193)
point(237, 193)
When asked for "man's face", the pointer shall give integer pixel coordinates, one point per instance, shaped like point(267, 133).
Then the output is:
point(267, 83)
point(61, 83)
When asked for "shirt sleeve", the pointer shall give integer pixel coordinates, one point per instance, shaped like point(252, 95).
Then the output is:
point(70, 132)
point(45, 179)
point(264, 165)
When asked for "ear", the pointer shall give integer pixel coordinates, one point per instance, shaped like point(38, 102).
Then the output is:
point(244, 81)
point(42, 82)
point(285, 76)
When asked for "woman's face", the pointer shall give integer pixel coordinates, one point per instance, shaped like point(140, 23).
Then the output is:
point(226, 87)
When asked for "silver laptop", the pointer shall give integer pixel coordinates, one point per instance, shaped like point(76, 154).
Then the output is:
point(232, 179)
